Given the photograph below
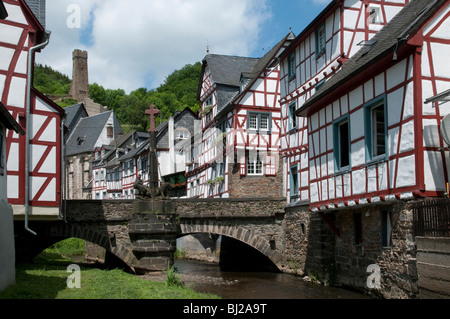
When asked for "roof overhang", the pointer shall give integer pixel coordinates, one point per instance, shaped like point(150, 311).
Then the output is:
point(3, 12)
point(324, 97)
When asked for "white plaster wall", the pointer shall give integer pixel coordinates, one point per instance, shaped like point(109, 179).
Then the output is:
point(17, 92)
point(7, 250)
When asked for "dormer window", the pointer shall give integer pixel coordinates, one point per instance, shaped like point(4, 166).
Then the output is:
point(80, 140)
point(181, 134)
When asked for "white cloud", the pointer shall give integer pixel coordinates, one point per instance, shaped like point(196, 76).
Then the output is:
point(137, 43)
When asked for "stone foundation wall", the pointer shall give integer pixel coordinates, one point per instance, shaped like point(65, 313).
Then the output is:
point(296, 225)
point(433, 267)
point(249, 186)
point(398, 270)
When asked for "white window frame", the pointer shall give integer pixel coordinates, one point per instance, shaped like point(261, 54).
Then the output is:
point(255, 121)
point(338, 144)
point(373, 131)
point(321, 40)
point(255, 165)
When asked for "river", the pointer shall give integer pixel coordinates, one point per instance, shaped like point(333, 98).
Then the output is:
point(259, 285)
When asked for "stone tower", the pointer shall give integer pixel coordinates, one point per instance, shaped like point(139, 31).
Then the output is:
point(79, 90)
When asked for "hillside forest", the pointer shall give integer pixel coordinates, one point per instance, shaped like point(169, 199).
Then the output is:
point(178, 91)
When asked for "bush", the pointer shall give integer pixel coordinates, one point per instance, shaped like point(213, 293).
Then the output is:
point(172, 280)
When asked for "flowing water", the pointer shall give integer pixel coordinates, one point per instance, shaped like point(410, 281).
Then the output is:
point(260, 285)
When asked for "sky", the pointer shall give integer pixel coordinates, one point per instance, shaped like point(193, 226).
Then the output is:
point(137, 43)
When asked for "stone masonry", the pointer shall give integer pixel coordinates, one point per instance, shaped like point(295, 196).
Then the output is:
point(79, 89)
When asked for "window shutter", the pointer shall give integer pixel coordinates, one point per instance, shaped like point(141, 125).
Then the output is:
point(270, 165)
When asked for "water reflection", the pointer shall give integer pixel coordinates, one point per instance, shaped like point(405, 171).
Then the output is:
point(260, 285)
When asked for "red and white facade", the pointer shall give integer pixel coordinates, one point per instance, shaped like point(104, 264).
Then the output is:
point(410, 161)
point(245, 134)
point(314, 57)
point(19, 32)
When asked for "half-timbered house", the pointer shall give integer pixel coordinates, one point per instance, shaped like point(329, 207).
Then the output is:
point(131, 160)
point(374, 145)
point(33, 160)
point(90, 133)
point(316, 54)
point(240, 131)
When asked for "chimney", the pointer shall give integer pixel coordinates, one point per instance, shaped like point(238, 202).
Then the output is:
point(79, 89)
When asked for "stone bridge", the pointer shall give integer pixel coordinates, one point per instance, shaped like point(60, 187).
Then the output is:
point(143, 233)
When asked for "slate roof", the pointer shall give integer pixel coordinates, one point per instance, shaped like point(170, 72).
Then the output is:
point(73, 115)
point(88, 131)
point(38, 9)
point(394, 34)
point(227, 69)
point(226, 73)
point(252, 75)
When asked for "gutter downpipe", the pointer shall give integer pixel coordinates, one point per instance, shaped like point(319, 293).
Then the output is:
point(28, 127)
point(62, 200)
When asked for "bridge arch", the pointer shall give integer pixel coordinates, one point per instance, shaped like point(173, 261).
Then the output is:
point(52, 232)
point(260, 243)
point(102, 239)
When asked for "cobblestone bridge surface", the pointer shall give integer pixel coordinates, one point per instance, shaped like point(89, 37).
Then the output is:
point(143, 233)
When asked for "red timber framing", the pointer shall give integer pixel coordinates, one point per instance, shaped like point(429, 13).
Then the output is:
point(416, 63)
point(45, 139)
point(347, 25)
point(251, 121)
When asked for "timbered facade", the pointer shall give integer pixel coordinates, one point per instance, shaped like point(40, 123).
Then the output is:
point(373, 144)
point(376, 139)
point(237, 152)
point(335, 35)
point(33, 160)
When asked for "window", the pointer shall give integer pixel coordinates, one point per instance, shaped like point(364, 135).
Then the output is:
point(259, 121)
point(321, 40)
point(110, 131)
point(294, 181)
point(144, 162)
point(292, 117)
point(376, 131)
point(191, 189)
point(375, 15)
point(209, 102)
point(341, 132)
point(208, 110)
point(254, 165)
point(222, 126)
point(358, 227)
point(253, 121)
point(386, 228)
point(181, 134)
point(291, 65)
point(264, 122)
